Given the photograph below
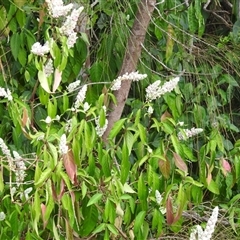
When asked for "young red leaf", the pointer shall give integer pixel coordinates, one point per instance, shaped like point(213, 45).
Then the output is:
point(165, 115)
point(169, 211)
point(43, 209)
point(180, 164)
point(164, 166)
point(62, 186)
point(70, 166)
point(226, 167)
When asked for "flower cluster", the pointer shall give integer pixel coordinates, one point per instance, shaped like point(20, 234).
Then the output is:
point(72, 86)
point(69, 25)
point(154, 91)
point(189, 133)
point(159, 200)
point(57, 9)
point(6, 93)
point(20, 168)
point(63, 148)
point(48, 68)
point(133, 76)
point(100, 130)
point(39, 49)
point(80, 97)
point(198, 232)
point(5, 149)
point(68, 126)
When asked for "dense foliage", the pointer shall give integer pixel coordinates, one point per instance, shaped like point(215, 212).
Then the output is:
point(167, 162)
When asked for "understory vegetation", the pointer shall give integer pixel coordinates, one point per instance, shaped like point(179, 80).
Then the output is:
point(167, 168)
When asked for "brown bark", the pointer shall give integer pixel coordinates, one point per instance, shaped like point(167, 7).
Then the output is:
point(132, 55)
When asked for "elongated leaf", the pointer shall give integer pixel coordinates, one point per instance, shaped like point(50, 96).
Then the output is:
point(15, 45)
point(169, 208)
point(116, 128)
point(70, 166)
point(94, 199)
point(99, 228)
point(180, 164)
point(165, 168)
point(139, 221)
point(57, 79)
point(44, 176)
point(213, 187)
point(43, 81)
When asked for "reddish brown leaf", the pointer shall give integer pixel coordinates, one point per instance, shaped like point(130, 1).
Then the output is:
point(57, 79)
point(43, 209)
point(164, 166)
point(61, 190)
point(70, 166)
point(226, 167)
point(55, 198)
point(165, 116)
point(178, 215)
point(180, 164)
point(24, 117)
point(169, 211)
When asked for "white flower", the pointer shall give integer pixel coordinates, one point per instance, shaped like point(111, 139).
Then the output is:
point(25, 193)
point(6, 93)
point(13, 190)
point(80, 97)
point(19, 169)
point(133, 76)
point(198, 234)
point(5, 149)
point(150, 110)
point(86, 106)
point(211, 224)
point(69, 25)
point(68, 126)
point(100, 130)
point(189, 133)
point(63, 148)
point(2, 216)
point(154, 91)
point(72, 86)
point(48, 120)
point(48, 68)
point(40, 50)
point(57, 118)
point(72, 38)
point(158, 197)
point(180, 124)
point(57, 9)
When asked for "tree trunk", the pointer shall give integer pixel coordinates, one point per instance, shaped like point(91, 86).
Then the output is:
point(132, 55)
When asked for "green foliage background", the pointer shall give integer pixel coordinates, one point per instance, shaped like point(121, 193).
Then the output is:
point(100, 191)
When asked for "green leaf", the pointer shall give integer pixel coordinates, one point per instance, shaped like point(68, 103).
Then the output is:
point(99, 228)
point(142, 133)
point(15, 45)
point(116, 128)
point(112, 229)
point(96, 71)
point(125, 163)
point(44, 176)
point(84, 190)
point(139, 221)
point(43, 81)
point(127, 188)
point(213, 187)
point(94, 199)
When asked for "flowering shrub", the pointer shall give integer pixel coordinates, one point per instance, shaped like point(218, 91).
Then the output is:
point(59, 180)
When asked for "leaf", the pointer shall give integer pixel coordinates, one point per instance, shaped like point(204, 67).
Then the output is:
point(25, 117)
point(180, 164)
point(99, 228)
point(15, 45)
point(57, 79)
point(44, 176)
point(116, 128)
point(169, 211)
point(165, 116)
point(142, 133)
point(164, 166)
point(70, 166)
point(139, 221)
point(213, 187)
point(127, 188)
point(43, 81)
point(170, 42)
point(94, 199)
point(43, 210)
